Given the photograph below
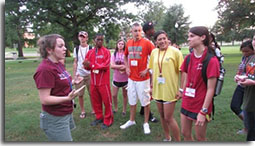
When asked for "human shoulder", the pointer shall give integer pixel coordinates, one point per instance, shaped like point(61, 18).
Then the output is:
point(173, 49)
point(214, 59)
point(46, 67)
point(155, 51)
point(130, 41)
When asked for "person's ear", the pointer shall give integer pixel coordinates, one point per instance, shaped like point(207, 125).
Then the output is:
point(49, 51)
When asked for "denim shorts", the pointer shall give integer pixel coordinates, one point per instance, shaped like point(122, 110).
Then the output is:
point(57, 128)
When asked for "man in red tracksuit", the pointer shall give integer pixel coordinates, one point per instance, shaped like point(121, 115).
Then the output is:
point(97, 61)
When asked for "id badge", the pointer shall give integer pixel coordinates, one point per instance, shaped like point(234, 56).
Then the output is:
point(134, 63)
point(190, 92)
point(161, 80)
point(96, 71)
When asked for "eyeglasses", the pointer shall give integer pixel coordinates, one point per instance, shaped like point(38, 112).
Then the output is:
point(82, 36)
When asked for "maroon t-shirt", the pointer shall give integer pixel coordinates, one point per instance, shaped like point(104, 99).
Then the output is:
point(194, 76)
point(54, 76)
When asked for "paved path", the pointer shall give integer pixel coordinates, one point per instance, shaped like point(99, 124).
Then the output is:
point(14, 56)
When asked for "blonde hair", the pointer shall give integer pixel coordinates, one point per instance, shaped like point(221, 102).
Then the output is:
point(47, 42)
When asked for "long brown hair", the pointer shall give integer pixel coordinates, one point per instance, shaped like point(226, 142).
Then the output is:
point(200, 31)
point(117, 49)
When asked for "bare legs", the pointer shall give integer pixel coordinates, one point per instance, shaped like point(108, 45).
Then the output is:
point(115, 91)
point(186, 125)
point(168, 122)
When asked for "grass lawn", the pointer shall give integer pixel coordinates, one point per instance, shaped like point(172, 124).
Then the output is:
point(22, 108)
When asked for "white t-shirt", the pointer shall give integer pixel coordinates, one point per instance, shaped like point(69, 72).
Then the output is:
point(81, 56)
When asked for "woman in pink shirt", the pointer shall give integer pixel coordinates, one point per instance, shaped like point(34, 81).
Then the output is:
point(120, 77)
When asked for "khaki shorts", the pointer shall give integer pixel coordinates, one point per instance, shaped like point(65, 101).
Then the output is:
point(57, 128)
point(85, 81)
point(139, 90)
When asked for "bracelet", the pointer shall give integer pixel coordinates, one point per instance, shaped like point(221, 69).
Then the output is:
point(181, 90)
point(204, 114)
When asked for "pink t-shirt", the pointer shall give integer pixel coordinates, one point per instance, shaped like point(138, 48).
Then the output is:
point(195, 76)
point(117, 75)
point(54, 76)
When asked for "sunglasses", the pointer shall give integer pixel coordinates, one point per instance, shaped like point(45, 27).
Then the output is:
point(82, 36)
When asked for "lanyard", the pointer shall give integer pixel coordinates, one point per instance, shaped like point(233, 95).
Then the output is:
point(160, 63)
point(63, 71)
point(97, 52)
point(82, 53)
point(194, 76)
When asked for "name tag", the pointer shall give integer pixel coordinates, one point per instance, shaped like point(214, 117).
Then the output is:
point(161, 80)
point(134, 63)
point(190, 92)
point(96, 71)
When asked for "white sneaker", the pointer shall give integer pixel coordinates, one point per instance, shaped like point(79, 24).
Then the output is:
point(146, 128)
point(127, 124)
point(168, 139)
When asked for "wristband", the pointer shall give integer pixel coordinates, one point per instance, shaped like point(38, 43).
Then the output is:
point(204, 114)
point(181, 90)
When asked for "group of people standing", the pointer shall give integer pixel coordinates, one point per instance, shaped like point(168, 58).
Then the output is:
point(245, 90)
point(145, 70)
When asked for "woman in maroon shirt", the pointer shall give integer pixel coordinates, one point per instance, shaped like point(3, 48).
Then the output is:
point(54, 86)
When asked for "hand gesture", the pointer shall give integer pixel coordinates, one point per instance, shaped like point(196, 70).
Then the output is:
point(200, 120)
point(86, 63)
point(143, 73)
point(77, 79)
point(128, 71)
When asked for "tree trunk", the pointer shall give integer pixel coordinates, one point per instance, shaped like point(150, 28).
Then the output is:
point(20, 50)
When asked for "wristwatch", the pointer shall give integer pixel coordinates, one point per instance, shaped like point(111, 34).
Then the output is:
point(204, 110)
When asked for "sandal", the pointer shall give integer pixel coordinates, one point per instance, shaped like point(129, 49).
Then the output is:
point(83, 115)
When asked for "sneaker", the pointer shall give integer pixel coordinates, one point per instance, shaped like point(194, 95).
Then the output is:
point(95, 122)
point(168, 139)
point(146, 128)
point(241, 132)
point(103, 126)
point(127, 124)
point(153, 119)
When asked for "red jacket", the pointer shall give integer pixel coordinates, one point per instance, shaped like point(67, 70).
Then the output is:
point(99, 66)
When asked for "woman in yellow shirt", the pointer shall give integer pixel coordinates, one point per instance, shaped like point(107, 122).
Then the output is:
point(165, 63)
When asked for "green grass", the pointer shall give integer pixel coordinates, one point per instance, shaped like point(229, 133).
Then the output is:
point(22, 108)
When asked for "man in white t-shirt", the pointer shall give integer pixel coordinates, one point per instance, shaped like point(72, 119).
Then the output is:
point(79, 73)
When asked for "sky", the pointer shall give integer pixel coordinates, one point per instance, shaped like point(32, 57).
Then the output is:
point(201, 12)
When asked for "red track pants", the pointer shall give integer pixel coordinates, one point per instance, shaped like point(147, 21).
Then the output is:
point(102, 95)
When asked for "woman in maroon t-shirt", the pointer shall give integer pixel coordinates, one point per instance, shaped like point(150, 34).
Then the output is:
point(54, 86)
point(197, 96)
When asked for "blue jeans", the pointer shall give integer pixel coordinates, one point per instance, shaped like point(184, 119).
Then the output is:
point(251, 126)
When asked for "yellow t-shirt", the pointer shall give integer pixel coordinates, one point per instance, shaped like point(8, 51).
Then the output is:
point(170, 72)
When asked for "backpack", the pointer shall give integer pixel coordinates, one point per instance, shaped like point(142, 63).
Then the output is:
point(77, 51)
point(220, 80)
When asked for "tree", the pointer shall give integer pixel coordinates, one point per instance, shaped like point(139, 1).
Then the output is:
point(176, 24)
point(15, 24)
point(155, 12)
point(237, 14)
point(73, 16)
